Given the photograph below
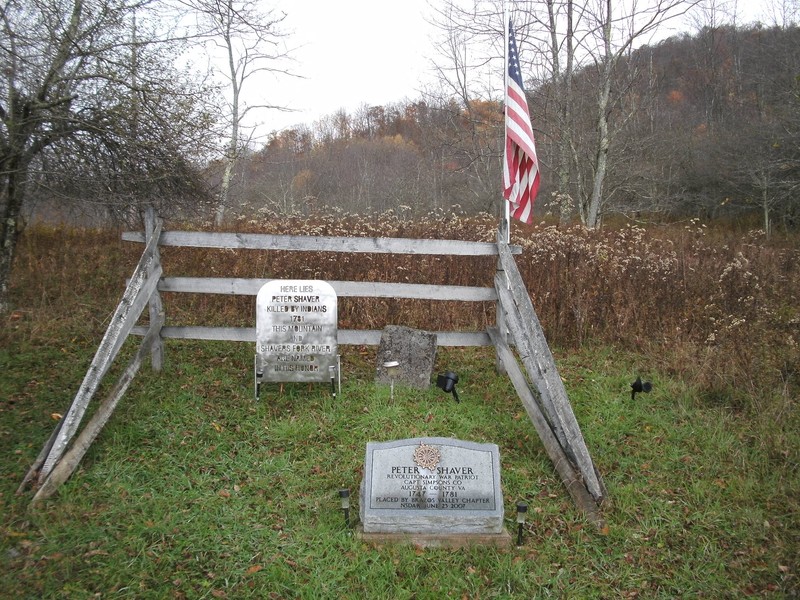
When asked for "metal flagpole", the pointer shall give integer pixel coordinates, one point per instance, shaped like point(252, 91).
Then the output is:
point(506, 208)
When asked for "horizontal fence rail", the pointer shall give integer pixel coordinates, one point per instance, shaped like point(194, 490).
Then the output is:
point(345, 289)
point(351, 337)
point(308, 243)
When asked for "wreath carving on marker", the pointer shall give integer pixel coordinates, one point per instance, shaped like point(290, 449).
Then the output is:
point(426, 456)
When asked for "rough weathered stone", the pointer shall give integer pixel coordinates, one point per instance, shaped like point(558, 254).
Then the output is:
point(414, 349)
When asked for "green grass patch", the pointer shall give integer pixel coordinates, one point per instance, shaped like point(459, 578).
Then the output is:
point(196, 490)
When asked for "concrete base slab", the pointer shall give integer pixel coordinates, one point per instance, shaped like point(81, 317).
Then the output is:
point(428, 540)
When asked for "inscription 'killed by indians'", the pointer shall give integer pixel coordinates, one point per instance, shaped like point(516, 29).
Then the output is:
point(296, 336)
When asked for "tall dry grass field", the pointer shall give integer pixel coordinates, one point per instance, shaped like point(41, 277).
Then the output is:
point(719, 308)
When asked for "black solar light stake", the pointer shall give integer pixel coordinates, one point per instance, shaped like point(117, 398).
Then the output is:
point(344, 496)
point(447, 382)
point(522, 510)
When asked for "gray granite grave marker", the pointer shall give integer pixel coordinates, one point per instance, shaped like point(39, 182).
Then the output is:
point(432, 486)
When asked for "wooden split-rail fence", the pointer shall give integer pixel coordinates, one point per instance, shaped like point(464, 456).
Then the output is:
point(521, 348)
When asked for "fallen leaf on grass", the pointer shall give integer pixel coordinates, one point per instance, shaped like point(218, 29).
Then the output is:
point(16, 534)
point(56, 416)
point(254, 569)
point(224, 493)
point(216, 426)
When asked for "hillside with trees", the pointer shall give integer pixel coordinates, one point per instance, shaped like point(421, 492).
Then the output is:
point(702, 125)
point(707, 126)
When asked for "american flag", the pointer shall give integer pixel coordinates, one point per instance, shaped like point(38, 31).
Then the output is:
point(520, 167)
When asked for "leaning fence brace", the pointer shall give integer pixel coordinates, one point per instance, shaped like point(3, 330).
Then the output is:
point(137, 294)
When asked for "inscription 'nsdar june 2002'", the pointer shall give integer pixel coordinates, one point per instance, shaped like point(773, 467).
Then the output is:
point(296, 335)
point(432, 485)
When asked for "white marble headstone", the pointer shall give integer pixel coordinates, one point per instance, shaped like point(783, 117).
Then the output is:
point(296, 331)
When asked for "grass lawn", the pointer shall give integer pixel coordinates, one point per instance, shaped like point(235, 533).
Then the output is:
point(195, 490)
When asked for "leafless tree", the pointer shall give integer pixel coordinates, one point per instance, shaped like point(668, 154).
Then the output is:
point(783, 13)
point(613, 37)
point(563, 36)
point(247, 43)
point(90, 109)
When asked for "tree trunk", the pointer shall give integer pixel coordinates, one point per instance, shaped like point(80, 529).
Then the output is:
point(233, 144)
point(9, 229)
point(601, 158)
point(9, 241)
point(765, 204)
point(219, 217)
point(562, 85)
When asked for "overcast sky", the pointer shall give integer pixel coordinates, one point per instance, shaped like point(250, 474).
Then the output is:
point(354, 52)
point(350, 52)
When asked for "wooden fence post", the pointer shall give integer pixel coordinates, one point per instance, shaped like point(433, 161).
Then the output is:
point(500, 314)
point(156, 307)
point(571, 478)
point(69, 462)
point(527, 333)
